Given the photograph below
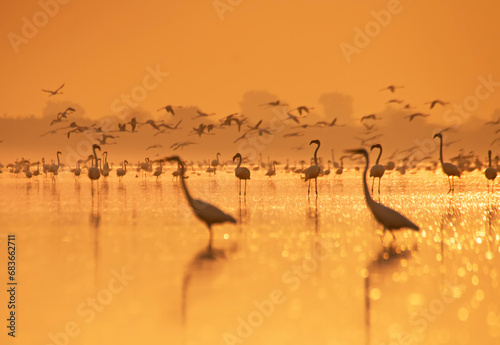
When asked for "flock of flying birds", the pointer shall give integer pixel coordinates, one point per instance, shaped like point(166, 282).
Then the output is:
point(390, 219)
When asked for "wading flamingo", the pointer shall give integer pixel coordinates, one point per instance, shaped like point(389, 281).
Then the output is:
point(241, 173)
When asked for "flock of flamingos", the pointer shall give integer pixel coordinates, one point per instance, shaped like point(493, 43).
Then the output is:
point(209, 214)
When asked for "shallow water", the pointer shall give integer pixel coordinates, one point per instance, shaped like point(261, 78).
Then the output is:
point(292, 271)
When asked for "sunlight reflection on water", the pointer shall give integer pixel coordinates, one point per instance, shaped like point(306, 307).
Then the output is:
point(292, 271)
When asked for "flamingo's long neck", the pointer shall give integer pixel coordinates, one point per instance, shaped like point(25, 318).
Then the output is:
point(184, 186)
point(58, 162)
point(239, 163)
point(489, 159)
point(368, 197)
point(441, 150)
point(125, 166)
point(315, 155)
point(95, 158)
point(379, 155)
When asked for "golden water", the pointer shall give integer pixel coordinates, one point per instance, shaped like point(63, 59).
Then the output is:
point(292, 271)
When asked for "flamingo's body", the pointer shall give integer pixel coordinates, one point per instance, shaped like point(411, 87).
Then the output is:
point(94, 172)
point(490, 172)
point(120, 172)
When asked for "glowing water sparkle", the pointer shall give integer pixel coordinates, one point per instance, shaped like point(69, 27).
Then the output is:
point(317, 255)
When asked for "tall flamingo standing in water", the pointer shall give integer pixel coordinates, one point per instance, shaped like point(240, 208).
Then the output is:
point(313, 171)
point(377, 170)
point(241, 173)
point(490, 173)
point(204, 211)
point(390, 219)
point(215, 163)
point(449, 169)
point(54, 169)
point(120, 172)
point(94, 172)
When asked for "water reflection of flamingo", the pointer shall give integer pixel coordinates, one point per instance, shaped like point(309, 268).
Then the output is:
point(204, 211)
point(390, 219)
point(385, 259)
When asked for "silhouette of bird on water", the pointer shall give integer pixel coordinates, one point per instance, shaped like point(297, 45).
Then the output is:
point(204, 211)
point(390, 219)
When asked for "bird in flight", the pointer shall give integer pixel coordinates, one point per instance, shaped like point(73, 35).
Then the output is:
point(157, 146)
point(181, 145)
point(56, 92)
point(370, 117)
point(392, 88)
point(412, 116)
point(398, 101)
point(273, 104)
point(202, 114)
point(437, 101)
point(102, 140)
point(302, 109)
point(292, 117)
point(326, 124)
point(169, 108)
point(493, 123)
point(294, 134)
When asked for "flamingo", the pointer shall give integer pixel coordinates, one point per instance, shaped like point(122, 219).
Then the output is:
point(204, 211)
point(449, 169)
point(340, 170)
point(385, 216)
point(241, 173)
point(271, 171)
point(120, 172)
point(490, 172)
point(37, 171)
point(94, 172)
point(55, 92)
point(216, 162)
point(54, 169)
point(377, 170)
point(313, 171)
point(27, 171)
point(77, 171)
point(159, 170)
point(327, 171)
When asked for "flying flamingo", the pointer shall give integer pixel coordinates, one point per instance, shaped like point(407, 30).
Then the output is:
point(204, 211)
point(94, 172)
point(56, 92)
point(313, 171)
point(449, 169)
point(387, 217)
point(490, 172)
point(377, 170)
point(241, 173)
point(120, 172)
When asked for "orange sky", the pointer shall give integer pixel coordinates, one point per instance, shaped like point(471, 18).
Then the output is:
point(101, 50)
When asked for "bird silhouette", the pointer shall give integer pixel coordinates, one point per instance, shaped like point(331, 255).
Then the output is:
point(241, 173)
point(55, 92)
point(449, 169)
point(313, 171)
point(204, 211)
point(387, 217)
